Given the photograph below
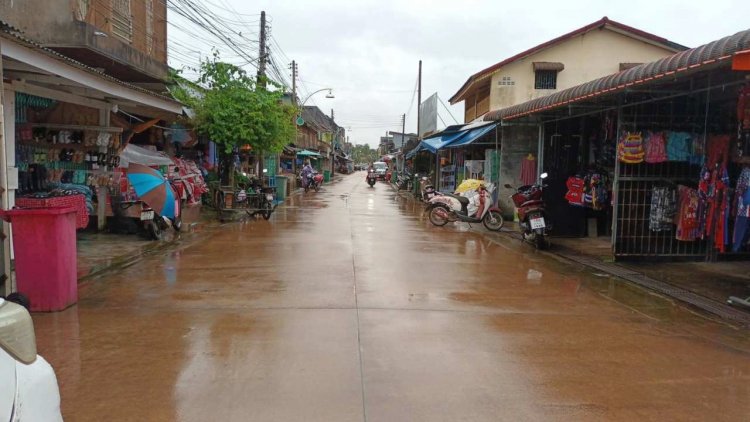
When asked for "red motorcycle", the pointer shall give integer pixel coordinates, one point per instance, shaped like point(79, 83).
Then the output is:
point(533, 223)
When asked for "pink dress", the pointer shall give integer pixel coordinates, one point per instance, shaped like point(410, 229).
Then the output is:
point(656, 148)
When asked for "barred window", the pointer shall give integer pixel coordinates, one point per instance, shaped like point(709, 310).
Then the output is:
point(149, 26)
point(545, 79)
point(122, 20)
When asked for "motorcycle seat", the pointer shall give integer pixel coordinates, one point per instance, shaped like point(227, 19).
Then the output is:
point(532, 203)
point(462, 199)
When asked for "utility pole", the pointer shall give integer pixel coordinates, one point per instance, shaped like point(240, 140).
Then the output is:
point(294, 82)
point(294, 103)
point(261, 83)
point(333, 143)
point(419, 101)
point(262, 51)
point(403, 130)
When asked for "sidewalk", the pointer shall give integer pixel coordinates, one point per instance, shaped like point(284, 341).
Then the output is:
point(101, 252)
point(705, 285)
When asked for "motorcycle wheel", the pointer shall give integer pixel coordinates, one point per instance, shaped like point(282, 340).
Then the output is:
point(540, 242)
point(493, 220)
point(267, 210)
point(371, 183)
point(316, 187)
point(177, 224)
point(438, 215)
point(154, 231)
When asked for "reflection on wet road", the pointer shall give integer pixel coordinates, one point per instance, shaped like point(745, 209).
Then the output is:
point(349, 306)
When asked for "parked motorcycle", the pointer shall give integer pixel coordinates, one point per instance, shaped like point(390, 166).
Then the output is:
point(532, 217)
point(403, 181)
point(153, 223)
point(446, 208)
point(427, 190)
point(371, 177)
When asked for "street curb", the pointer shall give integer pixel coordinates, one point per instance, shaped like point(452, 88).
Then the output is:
point(667, 290)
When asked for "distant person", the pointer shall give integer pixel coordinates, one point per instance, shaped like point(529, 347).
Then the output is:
point(307, 172)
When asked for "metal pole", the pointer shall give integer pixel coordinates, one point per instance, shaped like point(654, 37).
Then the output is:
point(5, 277)
point(616, 181)
point(540, 154)
point(261, 83)
point(419, 102)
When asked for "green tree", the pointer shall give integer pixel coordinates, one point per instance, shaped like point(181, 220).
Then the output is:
point(233, 111)
point(364, 154)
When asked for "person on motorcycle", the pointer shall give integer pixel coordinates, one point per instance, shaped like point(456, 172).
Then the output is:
point(307, 172)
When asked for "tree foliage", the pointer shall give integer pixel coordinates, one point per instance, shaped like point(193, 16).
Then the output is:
point(364, 154)
point(233, 111)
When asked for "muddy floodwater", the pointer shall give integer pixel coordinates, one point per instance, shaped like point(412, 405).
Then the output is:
point(349, 306)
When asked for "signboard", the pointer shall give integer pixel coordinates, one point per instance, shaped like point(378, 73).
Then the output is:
point(428, 115)
point(300, 121)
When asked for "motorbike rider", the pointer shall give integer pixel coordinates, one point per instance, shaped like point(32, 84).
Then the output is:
point(307, 172)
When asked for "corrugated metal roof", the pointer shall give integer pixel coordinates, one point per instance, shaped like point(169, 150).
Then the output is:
point(710, 53)
point(12, 33)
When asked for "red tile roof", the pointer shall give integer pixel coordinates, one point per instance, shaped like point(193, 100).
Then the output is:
point(595, 25)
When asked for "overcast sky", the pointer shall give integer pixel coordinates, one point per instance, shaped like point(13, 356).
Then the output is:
point(368, 50)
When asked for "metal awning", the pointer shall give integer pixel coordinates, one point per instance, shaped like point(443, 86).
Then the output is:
point(548, 66)
point(712, 54)
point(307, 153)
point(472, 135)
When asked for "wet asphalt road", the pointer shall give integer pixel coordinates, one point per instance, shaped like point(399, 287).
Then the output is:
point(349, 306)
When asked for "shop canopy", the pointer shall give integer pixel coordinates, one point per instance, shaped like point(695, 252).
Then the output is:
point(306, 153)
point(144, 156)
point(455, 136)
point(472, 135)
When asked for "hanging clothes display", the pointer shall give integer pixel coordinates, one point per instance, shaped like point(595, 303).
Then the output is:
point(663, 208)
point(575, 187)
point(528, 170)
point(630, 148)
point(687, 217)
point(656, 148)
point(742, 209)
point(679, 146)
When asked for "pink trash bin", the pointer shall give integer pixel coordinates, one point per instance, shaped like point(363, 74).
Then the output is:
point(44, 243)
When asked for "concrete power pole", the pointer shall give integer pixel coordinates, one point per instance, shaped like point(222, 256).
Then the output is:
point(294, 82)
point(261, 81)
point(419, 101)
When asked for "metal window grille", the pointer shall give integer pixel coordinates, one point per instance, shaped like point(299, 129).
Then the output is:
point(545, 79)
point(122, 20)
point(633, 237)
point(149, 26)
point(82, 9)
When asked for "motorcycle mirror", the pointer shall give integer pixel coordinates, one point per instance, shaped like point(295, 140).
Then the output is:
point(508, 186)
point(544, 175)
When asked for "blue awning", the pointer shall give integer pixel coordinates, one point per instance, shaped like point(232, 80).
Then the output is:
point(472, 135)
point(439, 142)
point(306, 153)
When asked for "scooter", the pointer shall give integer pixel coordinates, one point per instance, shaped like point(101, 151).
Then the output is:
point(403, 180)
point(427, 190)
point(316, 179)
point(449, 207)
point(153, 223)
point(371, 177)
point(532, 217)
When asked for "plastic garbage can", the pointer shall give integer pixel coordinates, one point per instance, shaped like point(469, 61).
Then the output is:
point(281, 184)
point(326, 175)
point(44, 242)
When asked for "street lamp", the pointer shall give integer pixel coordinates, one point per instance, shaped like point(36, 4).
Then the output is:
point(329, 95)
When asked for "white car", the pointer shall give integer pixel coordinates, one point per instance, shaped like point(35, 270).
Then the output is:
point(28, 385)
point(381, 168)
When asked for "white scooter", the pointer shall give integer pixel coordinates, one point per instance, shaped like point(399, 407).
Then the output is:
point(450, 207)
